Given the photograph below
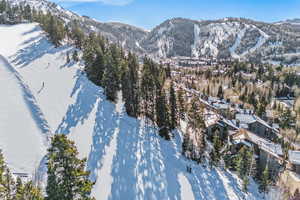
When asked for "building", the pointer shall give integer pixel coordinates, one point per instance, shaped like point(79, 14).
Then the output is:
point(294, 161)
point(257, 126)
point(285, 102)
point(268, 153)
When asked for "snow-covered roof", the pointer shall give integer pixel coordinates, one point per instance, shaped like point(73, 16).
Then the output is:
point(231, 123)
point(249, 119)
point(270, 147)
point(210, 118)
point(287, 103)
point(221, 105)
point(294, 157)
point(245, 118)
point(276, 126)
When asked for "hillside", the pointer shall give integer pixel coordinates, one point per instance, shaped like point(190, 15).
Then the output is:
point(235, 38)
point(230, 37)
point(128, 160)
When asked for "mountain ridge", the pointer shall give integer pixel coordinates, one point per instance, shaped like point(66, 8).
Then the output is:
point(228, 38)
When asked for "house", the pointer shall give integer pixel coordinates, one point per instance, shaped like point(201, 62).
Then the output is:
point(285, 102)
point(257, 126)
point(294, 161)
point(269, 153)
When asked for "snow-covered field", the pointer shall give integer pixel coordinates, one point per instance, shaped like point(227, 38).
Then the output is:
point(42, 95)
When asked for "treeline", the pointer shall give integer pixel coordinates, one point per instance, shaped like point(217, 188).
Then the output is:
point(67, 178)
point(12, 14)
point(15, 189)
point(146, 88)
point(53, 25)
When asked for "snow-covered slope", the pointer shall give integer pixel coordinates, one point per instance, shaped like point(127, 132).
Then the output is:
point(236, 38)
point(42, 95)
point(224, 38)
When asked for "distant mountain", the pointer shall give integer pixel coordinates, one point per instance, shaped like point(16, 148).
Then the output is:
point(229, 37)
point(125, 35)
point(236, 38)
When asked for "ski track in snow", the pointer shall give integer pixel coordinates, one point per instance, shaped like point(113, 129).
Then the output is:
point(186, 189)
point(237, 42)
point(126, 157)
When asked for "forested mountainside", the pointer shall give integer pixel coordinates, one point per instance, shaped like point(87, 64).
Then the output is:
point(126, 157)
point(133, 119)
point(225, 38)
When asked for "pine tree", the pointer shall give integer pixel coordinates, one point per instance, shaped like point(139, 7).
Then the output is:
point(77, 35)
point(245, 183)
point(110, 78)
point(264, 180)
point(185, 143)
point(130, 85)
point(215, 154)
point(32, 192)
point(181, 104)
point(68, 58)
point(19, 189)
point(75, 56)
point(162, 115)
point(7, 184)
point(243, 162)
point(67, 178)
point(173, 107)
point(220, 92)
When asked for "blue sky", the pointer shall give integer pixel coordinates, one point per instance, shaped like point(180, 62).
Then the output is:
point(149, 13)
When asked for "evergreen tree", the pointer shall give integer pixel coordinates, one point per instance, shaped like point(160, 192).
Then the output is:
point(162, 115)
point(215, 154)
point(110, 78)
point(130, 85)
point(77, 35)
point(75, 56)
point(67, 178)
point(245, 183)
point(68, 58)
point(19, 189)
point(264, 180)
point(243, 162)
point(9, 190)
point(3, 6)
point(7, 184)
point(31, 192)
point(220, 92)
point(173, 107)
point(181, 104)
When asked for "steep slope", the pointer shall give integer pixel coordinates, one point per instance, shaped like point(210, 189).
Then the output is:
point(225, 38)
point(126, 157)
point(124, 34)
point(236, 38)
point(23, 128)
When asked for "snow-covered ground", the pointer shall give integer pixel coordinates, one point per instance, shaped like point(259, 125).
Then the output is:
point(42, 95)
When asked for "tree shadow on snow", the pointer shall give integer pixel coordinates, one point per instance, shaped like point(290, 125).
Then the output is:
point(38, 47)
point(105, 124)
point(30, 101)
point(86, 96)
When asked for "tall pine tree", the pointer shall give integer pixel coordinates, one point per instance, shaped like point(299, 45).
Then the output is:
point(67, 178)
